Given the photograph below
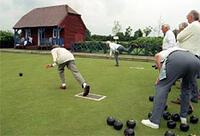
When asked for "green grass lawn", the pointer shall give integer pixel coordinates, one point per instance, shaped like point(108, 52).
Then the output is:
point(33, 105)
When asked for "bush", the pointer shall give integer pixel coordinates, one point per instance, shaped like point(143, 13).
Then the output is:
point(89, 46)
point(6, 39)
point(6, 36)
point(149, 40)
point(147, 46)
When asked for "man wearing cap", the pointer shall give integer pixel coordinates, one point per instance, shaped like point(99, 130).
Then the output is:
point(62, 57)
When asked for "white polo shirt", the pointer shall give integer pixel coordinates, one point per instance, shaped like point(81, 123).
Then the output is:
point(113, 47)
point(169, 40)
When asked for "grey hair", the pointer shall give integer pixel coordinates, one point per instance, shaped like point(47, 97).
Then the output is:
point(194, 14)
point(183, 25)
point(166, 26)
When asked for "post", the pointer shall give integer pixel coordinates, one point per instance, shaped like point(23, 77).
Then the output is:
point(72, 47)
point(15, 33)
point(41, 33)
point(90, 47)
point(57, 34)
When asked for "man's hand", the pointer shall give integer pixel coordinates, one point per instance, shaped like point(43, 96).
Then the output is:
point(156, 82)
point(158, 59)
point(48, 66)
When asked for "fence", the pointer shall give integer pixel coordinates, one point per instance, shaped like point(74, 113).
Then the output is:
point(52, 41)
point(100, 47)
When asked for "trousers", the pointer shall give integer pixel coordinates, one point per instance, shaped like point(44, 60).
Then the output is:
point(176, 68)
point(71, 66)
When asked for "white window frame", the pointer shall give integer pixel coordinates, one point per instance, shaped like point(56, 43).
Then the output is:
point(54, 33)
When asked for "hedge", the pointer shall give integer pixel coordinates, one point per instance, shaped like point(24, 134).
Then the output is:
point(146, 46)
point(6, 39)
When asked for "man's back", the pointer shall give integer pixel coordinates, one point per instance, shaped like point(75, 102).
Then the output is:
point(61, 55)
point(114, 46)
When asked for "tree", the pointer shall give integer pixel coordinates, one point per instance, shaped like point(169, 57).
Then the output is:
point(116, 28)
point(88, 35)
point(147, 30)
point(128, 32)
point(120, 35)
point(138, 34)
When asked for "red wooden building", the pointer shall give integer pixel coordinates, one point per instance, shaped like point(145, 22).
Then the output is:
point(48, 26)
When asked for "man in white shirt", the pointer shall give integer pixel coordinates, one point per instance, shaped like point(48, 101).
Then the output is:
point(172, 67)
point(189, 39)
point(169, 38)
point(62, 57)
point(117, 49)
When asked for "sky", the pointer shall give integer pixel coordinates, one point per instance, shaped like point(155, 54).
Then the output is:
point(99, 15)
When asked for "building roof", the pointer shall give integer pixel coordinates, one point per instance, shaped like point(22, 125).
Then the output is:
point(45, 17)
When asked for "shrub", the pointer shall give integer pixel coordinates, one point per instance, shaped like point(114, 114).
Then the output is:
point(147, 46)
point(148, 40)
point(6, 36)
point(6, 39)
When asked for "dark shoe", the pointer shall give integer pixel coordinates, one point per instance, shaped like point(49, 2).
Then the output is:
point(117, 65)
point(86, 90)
point(195, 101)
point(62, 87)
point(177, 101)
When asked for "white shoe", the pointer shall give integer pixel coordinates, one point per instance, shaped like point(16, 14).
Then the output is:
point(150, 124)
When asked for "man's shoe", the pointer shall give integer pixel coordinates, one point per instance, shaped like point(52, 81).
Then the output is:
point(195, 101)
point(150, 124)
point(86, 90)
point(177, 101)
point(62, 87)
point(117, 65)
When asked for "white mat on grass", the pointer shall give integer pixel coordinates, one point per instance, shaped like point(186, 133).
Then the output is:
point(90, 96)
point(137, 68)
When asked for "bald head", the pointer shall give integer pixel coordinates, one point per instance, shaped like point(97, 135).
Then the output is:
point(107, 43)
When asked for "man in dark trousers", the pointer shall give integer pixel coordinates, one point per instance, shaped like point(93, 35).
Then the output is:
point(62, 57)
point(117, 49)
point(189, 39)
point(173, 64)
